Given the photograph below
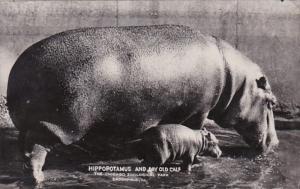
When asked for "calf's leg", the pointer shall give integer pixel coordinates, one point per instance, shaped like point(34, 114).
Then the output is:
point(188, 162)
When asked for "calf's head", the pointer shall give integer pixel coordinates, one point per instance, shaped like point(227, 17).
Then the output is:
point(212, 145)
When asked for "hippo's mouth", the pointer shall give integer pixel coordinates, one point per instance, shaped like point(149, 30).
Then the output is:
point(261, 137)
point(254, 143)
point(253, 138)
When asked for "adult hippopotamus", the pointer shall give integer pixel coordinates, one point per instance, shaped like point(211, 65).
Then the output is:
point(122, 80)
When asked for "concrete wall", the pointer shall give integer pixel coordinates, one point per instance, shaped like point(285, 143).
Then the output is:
point(267, 31)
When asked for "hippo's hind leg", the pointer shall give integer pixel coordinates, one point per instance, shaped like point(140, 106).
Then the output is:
point(36, 144)
point(36, 160)
point(21, 141)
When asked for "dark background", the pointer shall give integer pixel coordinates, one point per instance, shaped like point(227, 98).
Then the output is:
point(267, 31)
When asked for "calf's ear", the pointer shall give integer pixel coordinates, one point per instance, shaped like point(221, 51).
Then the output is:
point(261, 83)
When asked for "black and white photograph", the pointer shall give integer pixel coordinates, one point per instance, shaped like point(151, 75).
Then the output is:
point(131, 94)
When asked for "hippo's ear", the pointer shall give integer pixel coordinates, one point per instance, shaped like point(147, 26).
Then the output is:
point(270, 98)
point(261, 83)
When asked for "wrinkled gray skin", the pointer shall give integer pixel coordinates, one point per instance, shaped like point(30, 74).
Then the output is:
point(169, 142)
point(123, 80)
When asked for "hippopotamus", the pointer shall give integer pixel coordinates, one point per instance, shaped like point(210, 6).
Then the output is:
point(169, 142)
point(123, 80)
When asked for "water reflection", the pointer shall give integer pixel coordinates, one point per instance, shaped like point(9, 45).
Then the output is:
point(237, 168)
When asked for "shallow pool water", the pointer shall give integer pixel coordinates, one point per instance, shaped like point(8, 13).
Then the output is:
point(237, 168)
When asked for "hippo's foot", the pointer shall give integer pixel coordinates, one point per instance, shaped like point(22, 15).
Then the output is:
point(34, 162)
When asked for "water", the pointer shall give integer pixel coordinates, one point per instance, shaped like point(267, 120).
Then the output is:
point(237, 168)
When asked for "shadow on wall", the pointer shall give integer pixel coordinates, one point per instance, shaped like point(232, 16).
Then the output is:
point(7, 60)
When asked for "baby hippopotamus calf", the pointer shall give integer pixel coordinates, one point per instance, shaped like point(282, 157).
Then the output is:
point(166, 143)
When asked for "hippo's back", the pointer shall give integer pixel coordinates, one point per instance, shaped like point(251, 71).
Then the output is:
point(79, 78)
